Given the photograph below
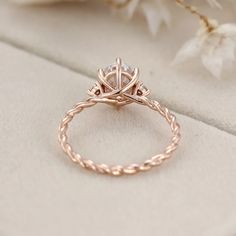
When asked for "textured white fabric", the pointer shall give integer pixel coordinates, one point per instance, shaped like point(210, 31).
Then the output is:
point(43, 193)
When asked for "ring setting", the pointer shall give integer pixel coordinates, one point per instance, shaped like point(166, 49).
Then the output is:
point(119, 85)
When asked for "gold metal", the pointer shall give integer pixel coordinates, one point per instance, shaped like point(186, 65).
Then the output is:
point(118, 84)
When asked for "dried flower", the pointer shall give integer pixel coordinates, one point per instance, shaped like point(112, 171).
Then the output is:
point(214, 3)
point(155, 11)
point(215, 48)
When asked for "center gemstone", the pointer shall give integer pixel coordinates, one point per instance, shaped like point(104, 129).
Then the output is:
point(112, 78)
point(112, 67)
point(113, 81)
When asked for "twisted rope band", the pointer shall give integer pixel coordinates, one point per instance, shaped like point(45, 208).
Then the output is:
point(118, 170)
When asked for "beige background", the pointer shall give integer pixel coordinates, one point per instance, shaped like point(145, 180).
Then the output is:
point(48, 59)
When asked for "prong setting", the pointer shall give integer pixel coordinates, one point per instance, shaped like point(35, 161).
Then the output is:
point(118, 82)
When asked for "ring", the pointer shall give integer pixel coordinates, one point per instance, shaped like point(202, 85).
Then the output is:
point(118, 85)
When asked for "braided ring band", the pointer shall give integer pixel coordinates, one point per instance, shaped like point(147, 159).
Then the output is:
point(118, 85)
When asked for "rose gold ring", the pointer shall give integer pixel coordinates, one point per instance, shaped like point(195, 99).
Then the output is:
point(118, 84)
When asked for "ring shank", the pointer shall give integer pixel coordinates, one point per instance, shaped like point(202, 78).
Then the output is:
point(118, 170)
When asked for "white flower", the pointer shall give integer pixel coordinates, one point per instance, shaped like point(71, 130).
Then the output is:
point(214, 3)
point(215, 49)
point(155, 11)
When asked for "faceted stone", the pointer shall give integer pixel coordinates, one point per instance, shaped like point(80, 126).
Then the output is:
point(112, 80)
point(112, 67)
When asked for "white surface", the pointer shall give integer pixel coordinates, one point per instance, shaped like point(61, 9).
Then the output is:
point(43, 193)
point(85, 36)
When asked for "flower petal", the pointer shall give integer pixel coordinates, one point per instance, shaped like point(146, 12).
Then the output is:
point(131, 8)
point(189, 50)
point(229, 30)
point(214, 3)
point(153, 17)
point(213, 64)
point(218, 51)
point(227, 50)
point(164, 12)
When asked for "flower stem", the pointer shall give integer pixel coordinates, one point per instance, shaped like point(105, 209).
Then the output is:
point(195, 12)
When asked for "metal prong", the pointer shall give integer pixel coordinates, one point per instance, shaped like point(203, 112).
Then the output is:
point(130, 84)
point(102, 79)
point(118, 72)
point(136, 73)
point(118, 61)
point(101, 73)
